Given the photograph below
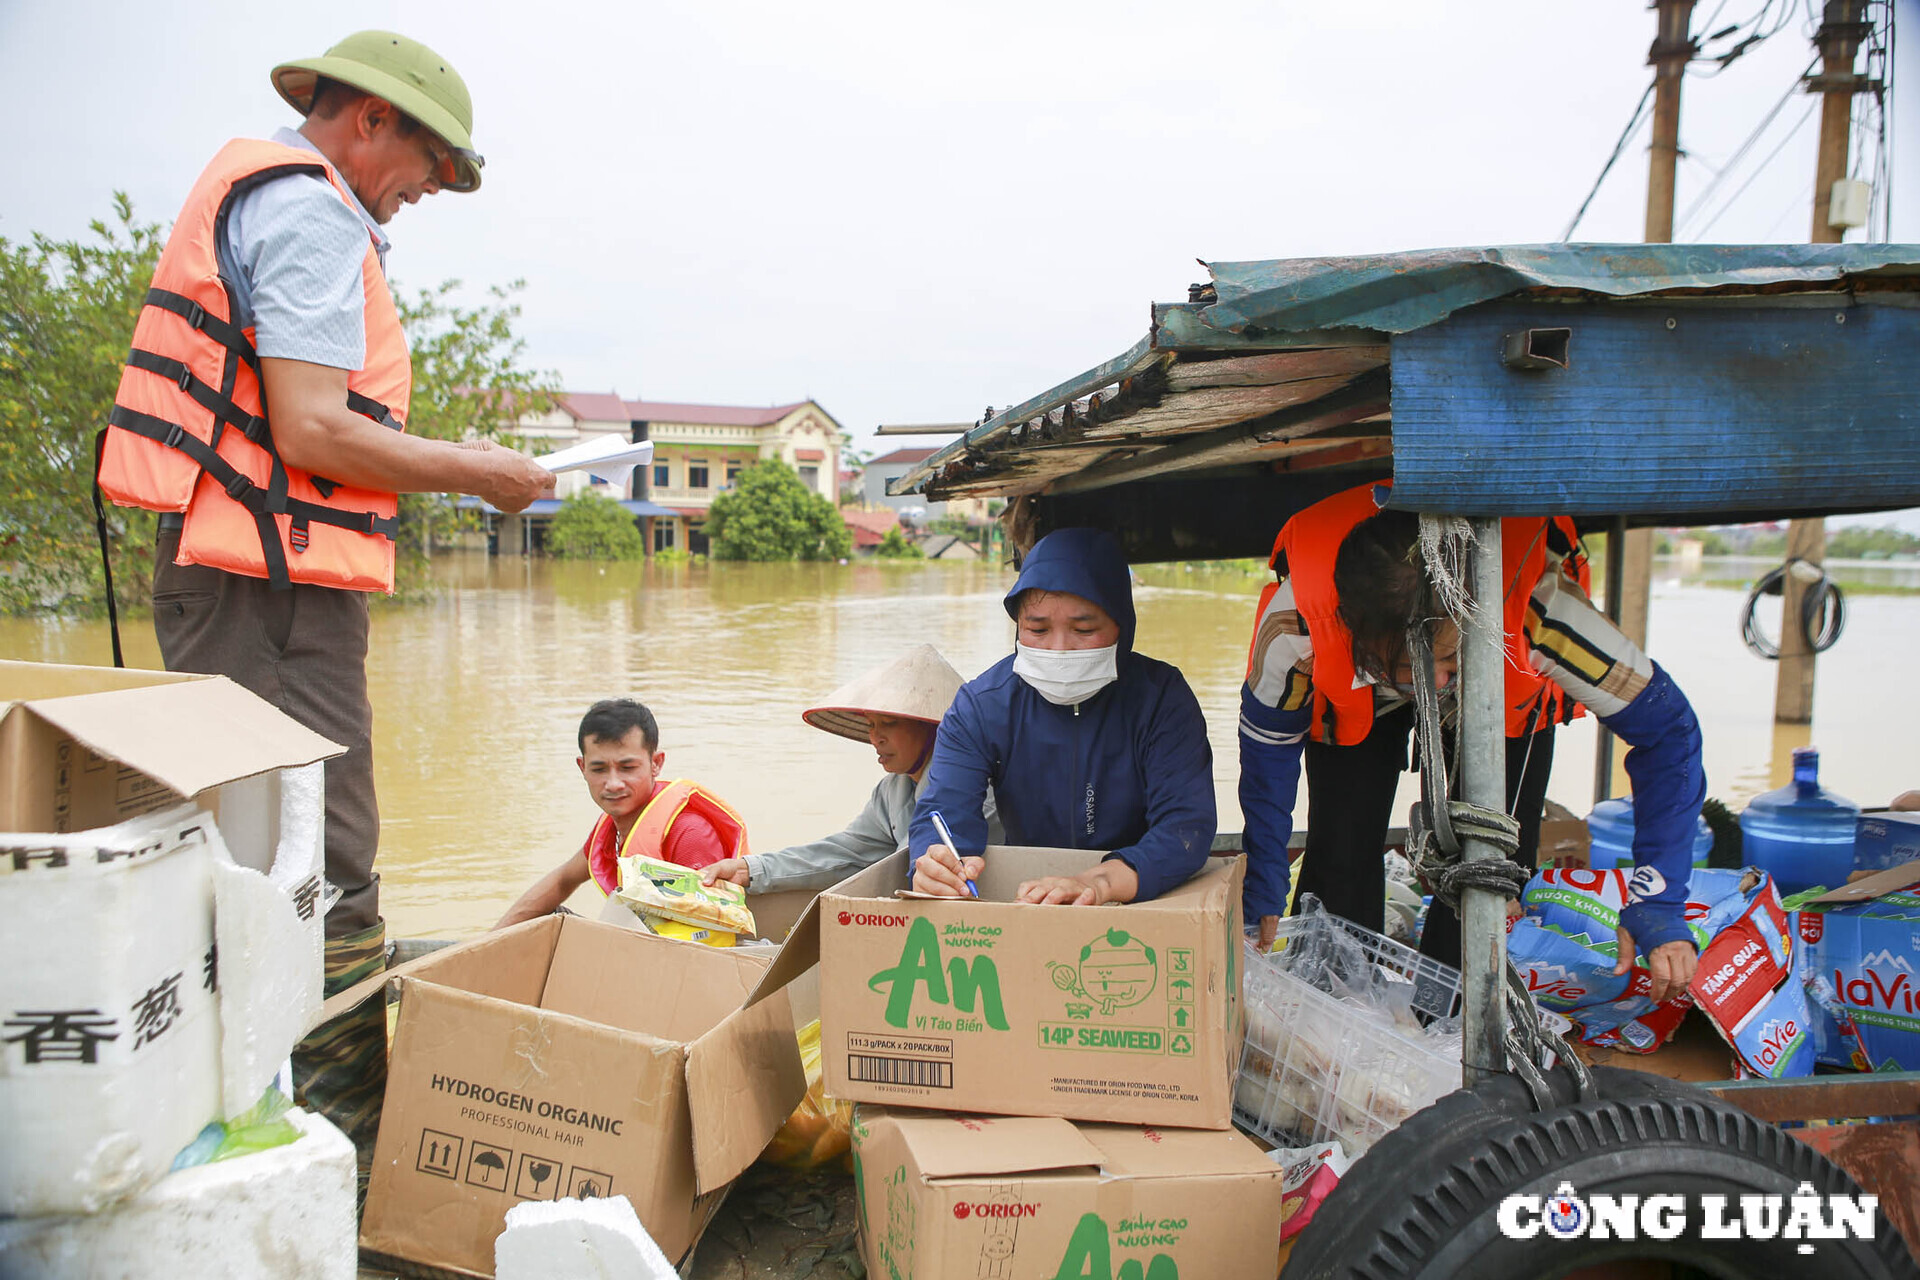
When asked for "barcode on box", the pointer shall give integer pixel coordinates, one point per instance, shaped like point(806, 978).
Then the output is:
point(921, 1072)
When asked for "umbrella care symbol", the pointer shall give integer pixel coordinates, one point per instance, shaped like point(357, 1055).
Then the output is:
point(491, 1161)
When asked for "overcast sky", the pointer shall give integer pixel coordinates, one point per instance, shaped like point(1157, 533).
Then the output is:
point(912, 211)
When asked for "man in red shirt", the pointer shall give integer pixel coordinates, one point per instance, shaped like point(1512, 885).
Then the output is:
point(641, 813)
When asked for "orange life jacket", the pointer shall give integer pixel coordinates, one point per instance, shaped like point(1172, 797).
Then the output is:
point(1342, 713)
point(188, 431)
point(648, 839)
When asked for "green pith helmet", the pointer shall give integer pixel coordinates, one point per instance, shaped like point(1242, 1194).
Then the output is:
point(414, 78)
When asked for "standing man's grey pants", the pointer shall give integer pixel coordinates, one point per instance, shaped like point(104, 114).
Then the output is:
point(305, 651)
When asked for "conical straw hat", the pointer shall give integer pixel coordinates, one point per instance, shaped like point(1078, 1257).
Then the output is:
point(919, 685)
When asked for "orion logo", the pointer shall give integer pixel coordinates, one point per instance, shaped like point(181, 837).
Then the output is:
point(872, 918)
point(995, 1209)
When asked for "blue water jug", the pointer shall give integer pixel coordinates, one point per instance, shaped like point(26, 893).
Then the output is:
point(1610, 835)
point(1802, 834)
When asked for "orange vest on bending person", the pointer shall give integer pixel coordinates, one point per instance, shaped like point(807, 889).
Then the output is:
point(648, 838)
point(1343, 713)
point(188, 431)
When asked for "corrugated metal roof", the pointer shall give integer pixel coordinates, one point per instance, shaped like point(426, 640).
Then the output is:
point(1282, 367)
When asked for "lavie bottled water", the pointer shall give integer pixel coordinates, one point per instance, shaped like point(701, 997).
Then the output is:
point(1802, 833)
point(1610, 831)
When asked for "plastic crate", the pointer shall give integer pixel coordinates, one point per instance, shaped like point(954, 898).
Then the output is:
point(1316, 1068)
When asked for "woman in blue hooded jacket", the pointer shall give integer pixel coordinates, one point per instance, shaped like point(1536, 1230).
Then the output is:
point(1085, 743)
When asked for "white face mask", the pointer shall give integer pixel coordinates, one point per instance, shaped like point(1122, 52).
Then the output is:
point(1067, 676)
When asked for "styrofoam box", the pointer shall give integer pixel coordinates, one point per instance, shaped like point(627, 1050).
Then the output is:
point(1313, 1069)
point(286, 1212)
point(118, 1039)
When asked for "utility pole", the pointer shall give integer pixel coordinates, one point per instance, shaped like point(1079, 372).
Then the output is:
point(1673, 48)
point(1841, 30)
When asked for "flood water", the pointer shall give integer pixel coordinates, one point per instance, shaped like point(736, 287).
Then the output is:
point(477, 694)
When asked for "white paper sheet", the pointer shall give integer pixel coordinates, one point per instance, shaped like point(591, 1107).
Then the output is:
point(609, 458)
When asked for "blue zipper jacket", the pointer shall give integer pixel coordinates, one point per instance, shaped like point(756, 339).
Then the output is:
point(1128, 770)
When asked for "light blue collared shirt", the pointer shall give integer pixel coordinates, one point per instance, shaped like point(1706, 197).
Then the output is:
point(292, 254)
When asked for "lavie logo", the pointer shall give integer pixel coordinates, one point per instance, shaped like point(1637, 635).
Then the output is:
point(961, 986)
point(864, 917)
point(995, 1209)
point(1090, 1257)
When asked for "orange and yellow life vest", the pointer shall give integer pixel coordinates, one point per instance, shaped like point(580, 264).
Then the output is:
point(189, 433)
point(648, 838)
point(1342, 713)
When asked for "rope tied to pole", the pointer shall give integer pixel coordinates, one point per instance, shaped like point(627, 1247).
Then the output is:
point(1441, 823)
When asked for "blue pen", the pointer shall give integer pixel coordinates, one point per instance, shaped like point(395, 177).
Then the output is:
point(946, 837)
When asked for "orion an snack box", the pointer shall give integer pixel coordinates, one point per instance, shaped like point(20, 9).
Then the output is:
point(1126, 1013)
point(1007, 1198)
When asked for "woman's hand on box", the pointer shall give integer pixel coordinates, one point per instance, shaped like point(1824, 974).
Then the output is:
point(944, 874)
point(1113, 881)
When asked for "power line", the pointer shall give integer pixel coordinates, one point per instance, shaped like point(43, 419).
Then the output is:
point(1633, 125)
point(1762, 167)
point(1706, 193)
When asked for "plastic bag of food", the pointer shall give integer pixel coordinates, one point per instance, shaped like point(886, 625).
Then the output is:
point(674, 892)
point(821, 1128)
point(1308, 1176)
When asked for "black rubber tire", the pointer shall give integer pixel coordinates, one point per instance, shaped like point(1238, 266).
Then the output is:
point(1421, 1204)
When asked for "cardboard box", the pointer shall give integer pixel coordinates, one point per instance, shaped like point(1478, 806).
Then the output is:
point(1564, 839)
point(565, 1057)
point(86, 747)
point(120, 1041)
point(943, 1194)
point(1859, 961)
point(1885, 838)
point(1125, 1013)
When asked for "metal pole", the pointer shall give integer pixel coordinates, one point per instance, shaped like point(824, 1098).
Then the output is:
point(1841, 29)
point(1615, 577)
point(1672, 49)
point(1483, 767)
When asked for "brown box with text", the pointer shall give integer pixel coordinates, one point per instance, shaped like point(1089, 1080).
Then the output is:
point(564, 1057)
point(1007, 1198)
point(1124, 1013)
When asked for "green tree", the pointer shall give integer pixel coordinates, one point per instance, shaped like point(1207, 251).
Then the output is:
point(591, 527)
point(67, 309)
point(770, 515)
point(896, 547)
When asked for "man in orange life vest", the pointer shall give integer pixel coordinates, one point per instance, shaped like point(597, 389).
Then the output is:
point(1328, 676)
point(263, 412)
point(642, 814)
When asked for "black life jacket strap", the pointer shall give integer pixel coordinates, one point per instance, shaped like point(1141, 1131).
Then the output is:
point(263, 503)
point(228, 335)
point(224, 410)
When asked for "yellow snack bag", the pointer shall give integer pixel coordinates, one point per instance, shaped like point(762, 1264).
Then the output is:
point(666, 928)
point(669, 890)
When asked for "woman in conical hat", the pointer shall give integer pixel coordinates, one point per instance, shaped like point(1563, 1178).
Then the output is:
point(895, 708)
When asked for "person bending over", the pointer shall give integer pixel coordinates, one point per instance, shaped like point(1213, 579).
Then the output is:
point(1329, 676)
